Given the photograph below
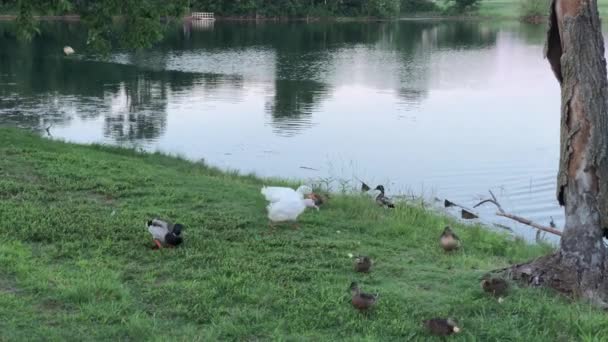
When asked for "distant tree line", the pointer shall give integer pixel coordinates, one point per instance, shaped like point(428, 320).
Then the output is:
point(141, 26)
point(302, 8)
point(263, 8)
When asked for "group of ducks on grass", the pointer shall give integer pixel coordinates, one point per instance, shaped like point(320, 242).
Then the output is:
point(449, 241)
point(286, 204)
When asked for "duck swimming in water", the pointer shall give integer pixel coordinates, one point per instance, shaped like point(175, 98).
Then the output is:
point(165, 234)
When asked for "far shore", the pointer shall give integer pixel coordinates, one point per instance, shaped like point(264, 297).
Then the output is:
point(425, 16)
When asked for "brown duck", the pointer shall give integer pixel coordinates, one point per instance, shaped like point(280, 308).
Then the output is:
point(496, 287)
point(441, 326)
point(363, 264)
point(360, 300)
point(449, 241)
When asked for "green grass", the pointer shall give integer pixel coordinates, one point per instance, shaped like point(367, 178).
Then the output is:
point(511, 8)
point(74, 263)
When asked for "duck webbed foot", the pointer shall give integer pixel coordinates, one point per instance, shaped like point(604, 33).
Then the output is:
point(157, 245)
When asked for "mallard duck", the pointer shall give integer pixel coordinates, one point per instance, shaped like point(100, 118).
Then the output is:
point(441, 326)
point(287, 204)
point(165, 233)
point(67, 50)
point(497, 287)
point(449, 241)
point(360, 300)
point(381, 198)
point(363, 264)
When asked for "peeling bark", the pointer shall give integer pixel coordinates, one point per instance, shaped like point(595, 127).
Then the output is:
point(575, 50)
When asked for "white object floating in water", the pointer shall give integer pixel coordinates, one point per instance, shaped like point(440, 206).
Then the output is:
point(67, 50)
point(287, 204)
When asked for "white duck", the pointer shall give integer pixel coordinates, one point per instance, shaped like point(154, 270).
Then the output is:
point(287, 204)
point(67, 50)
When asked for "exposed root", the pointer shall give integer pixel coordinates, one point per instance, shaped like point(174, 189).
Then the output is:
point(549, 271)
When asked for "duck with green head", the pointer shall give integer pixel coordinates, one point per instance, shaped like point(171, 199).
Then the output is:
point(165, 234)
point(382, 200)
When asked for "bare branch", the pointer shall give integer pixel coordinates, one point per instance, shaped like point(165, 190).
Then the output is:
point(530, 223)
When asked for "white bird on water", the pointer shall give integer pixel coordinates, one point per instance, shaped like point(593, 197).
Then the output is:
point(287, 204)
point(67, 50)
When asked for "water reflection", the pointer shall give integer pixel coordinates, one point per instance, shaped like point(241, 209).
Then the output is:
point(304, 63)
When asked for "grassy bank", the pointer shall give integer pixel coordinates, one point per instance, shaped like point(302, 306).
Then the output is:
point(74, 263)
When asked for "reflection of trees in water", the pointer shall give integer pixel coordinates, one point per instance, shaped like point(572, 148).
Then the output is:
point(40, 87)
point(293, 103)
point(137, 111)
point(134, 100)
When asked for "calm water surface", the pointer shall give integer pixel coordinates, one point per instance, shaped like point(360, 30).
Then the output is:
point(446, 109)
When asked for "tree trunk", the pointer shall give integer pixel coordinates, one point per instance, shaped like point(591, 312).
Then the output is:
point(575, 50)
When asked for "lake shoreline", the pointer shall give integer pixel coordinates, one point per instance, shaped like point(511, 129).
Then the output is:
point(79, 251)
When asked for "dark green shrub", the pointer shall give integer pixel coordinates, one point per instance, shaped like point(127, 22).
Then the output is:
point(418, 6)
point(530, 9)
point(461, 6)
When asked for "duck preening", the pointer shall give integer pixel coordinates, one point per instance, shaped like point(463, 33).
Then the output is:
point(497, 287)
point(449, 241)
point(165, 234)
point(363, 264)
point(360, 300)
point(286, 204)
point(441, 326)
point(381, 198)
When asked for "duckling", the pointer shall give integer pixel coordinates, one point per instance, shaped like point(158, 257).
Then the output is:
point(363, 264)
point(360, 300)
point(449, 241)
point(441, 326)
point(165, 233)
point(496, 287)
point(382, 200)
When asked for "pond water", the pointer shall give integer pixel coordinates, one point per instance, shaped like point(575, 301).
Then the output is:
point(446, 109)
